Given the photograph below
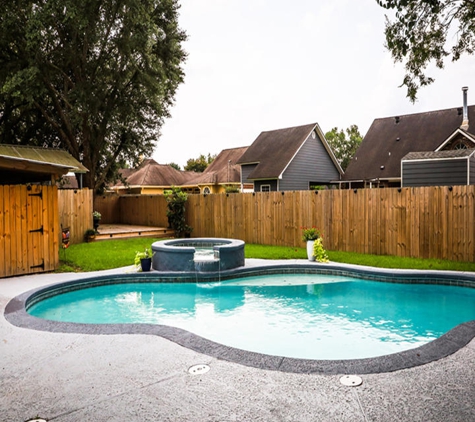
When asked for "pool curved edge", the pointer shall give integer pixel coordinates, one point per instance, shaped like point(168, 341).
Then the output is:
point(449, 343)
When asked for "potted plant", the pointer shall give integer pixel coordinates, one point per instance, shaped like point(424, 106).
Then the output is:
point(187, 230)
point(143, 260)
point(96, 217)
point(89, 235)
point(310, 235)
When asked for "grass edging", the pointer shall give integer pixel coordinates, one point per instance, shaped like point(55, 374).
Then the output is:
point(116, 253)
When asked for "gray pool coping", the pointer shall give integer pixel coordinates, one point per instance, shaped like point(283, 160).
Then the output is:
point(15, 312)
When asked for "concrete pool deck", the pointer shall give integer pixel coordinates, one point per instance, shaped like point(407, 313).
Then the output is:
point(84, 377)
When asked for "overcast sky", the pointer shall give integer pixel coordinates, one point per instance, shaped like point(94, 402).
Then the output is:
point(257, 65)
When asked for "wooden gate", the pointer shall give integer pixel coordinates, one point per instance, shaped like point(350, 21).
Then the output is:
point(29, 229)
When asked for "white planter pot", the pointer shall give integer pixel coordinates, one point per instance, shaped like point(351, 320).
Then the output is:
point(310, 255)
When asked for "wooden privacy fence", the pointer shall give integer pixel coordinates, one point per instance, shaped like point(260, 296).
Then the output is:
point(144, 210)
point(29, 229)
point(75, 212)
point(428, 222)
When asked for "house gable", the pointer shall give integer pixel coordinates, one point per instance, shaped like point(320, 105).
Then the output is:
point(293, 157)
point(390, 139)
point(311, 165)
point(459, 139)
point(273, 150)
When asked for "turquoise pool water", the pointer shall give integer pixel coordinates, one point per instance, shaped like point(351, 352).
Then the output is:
point(297, 315)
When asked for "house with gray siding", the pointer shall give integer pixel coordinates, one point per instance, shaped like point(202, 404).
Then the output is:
point(295, 158)
point(419, 149)
point(439, 168)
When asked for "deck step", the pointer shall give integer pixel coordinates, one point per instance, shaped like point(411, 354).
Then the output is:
point(107, 232)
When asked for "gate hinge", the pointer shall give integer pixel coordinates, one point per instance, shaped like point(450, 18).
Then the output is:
point(40, 230)
point(39, 194)
point(42, 265)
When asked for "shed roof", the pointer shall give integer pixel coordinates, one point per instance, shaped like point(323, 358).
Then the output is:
point(273, 150)
point(39, 160)
point(390, 139)
point(434, 155)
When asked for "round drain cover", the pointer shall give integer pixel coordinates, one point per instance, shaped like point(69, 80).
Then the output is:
point(351, 380)
point(198, 369)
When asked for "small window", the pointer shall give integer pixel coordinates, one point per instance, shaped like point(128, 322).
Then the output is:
point(265, 188)
point(460, 145)
point(206, 190)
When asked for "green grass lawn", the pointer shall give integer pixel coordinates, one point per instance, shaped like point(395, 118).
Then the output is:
point(108, 254)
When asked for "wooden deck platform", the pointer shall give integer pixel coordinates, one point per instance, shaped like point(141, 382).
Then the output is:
point(123, 231)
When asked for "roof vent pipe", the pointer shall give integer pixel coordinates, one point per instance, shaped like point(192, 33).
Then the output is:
point(464, 125)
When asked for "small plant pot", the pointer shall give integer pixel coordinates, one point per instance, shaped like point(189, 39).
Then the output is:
point(96, 222)
point(310, 255)
point(146, 264)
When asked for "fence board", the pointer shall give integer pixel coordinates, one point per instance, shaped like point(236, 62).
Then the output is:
point(7, 232)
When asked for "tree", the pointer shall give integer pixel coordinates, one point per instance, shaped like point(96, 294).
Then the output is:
point(176, 200)
point(96, 77)
point(344, 146)
point(175, 166)
point(418, 35)
point(199, 164)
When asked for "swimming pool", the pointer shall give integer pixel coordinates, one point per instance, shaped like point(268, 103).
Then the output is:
point(304, 316)
point(446, 344)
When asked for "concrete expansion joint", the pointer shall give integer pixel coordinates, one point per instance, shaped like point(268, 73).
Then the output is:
point(365, 419)
point(118, 395)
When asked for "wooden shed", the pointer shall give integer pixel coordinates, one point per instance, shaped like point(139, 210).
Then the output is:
point(30, 232)
point(438, 168)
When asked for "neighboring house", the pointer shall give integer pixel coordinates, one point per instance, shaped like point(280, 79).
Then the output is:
point(295, 158)
point(420, 149)
point(222, 173)
point(24, 164)
point(153, 178)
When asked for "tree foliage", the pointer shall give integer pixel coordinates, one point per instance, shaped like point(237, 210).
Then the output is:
point(344, 144)
point(199, 164)
point(176, 200)
point(175, 166)
point(419, 33)
point(95, 77)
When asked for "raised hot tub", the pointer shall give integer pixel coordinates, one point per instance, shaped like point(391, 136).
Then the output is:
point(202, 254)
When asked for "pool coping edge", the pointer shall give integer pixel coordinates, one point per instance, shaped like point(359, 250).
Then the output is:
point(16, 313)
